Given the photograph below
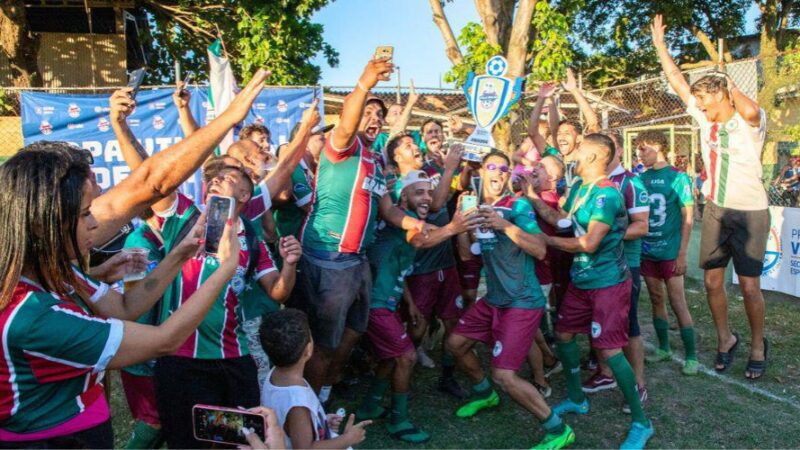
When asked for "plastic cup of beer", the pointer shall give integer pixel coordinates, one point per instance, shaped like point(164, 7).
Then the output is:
point(135, 251)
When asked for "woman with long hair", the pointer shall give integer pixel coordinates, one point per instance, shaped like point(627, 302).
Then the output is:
point(54, 347)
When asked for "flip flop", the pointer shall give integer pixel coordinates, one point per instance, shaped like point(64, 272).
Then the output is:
point(409, 433)
point(725, 359)
point(757, 368)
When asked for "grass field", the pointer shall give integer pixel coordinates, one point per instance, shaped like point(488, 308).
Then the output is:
point(706, 411)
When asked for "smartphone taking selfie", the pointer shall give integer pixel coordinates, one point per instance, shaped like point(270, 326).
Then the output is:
point(386, 51)
point(135, 80)
point(224, 425)
point(220, 209)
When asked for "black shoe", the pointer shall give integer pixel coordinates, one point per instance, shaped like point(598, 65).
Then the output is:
point(451, 386)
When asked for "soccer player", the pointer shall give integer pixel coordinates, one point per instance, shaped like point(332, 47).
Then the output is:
point(508, 317)
point(350, 190)
point(598, 298)
point(736, 220)
point(665, 247)
point(391, 259)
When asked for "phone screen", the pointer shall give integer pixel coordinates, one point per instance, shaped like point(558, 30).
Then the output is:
point(468, 202)
point(219, 211)
point(224, 425)
point(135, 80)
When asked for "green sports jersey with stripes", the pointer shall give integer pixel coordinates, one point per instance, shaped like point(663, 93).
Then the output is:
point(602, 202)
point(289, 217)
point(670, 191)
point(220, 335)
point(636, 201)
point(344, 208)
point(391, 259)
point(510, 272)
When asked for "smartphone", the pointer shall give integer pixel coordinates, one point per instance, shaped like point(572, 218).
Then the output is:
point(224, 425)
point(188, 81)
point(220, 209)
point(469, 202)
point(135, 80)
point(384, 52)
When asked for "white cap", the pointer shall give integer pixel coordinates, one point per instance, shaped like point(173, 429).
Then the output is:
point(413, 177)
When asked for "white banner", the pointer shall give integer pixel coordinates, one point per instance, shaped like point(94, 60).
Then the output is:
point(782, 259)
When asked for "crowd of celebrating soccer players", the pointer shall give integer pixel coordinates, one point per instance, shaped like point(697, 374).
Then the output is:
point(358, 237)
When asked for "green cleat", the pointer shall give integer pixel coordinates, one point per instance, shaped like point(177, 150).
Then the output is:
point(556, 441)
point(691, 367)
point(472, 408)
point(407, 432)
point(567, 406)
point(371, 414)
point(638, 436)
point(661, 355)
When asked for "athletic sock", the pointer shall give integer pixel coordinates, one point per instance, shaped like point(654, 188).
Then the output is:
point(399, 407)
point(324, 393)
point(553, 424)
point(448, 365)
point(626, 381)
point(687, 335)
point(482, 389)
point(570, 357)
point(374, 396)
point(145, 436)
point(662, 332)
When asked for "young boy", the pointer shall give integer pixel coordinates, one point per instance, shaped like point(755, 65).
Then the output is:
point(286, 337)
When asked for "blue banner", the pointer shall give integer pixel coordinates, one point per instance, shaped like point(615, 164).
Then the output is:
point(83, 120)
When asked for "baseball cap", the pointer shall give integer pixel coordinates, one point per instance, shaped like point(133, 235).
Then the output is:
point(319, 129)
point(374, 98)
point(415, 176)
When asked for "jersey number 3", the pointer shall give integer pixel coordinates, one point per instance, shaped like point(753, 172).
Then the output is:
point(658, 210)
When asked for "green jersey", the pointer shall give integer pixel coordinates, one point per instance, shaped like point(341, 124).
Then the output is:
point(636, 201)
point(439, 256)
point(670, 191)
point(344, 208)
point(601, 202)
point(510, 272)
point(289, 218)
point(391, 259)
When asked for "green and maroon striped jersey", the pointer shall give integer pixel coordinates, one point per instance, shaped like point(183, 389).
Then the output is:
point(344, 208)
point(54, 356)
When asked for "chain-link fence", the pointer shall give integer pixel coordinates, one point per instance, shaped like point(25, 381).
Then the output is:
point(629, 109)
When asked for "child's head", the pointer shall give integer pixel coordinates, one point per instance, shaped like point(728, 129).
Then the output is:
point(286, 337)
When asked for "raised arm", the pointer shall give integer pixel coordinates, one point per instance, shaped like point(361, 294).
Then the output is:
point(553, 119)
point(181, 98)
point(571, 86)
point(745, 106)
point(545, 91)
point(402, 121)
point(671, 70)
point(161, 174)
point(353, 107)
point(442, 192)
point(279, 285)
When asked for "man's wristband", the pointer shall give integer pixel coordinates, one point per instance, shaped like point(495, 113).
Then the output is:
point(361, 86)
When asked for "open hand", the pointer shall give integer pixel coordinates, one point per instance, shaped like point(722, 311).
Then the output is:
point(658, 29)
point(570, 85)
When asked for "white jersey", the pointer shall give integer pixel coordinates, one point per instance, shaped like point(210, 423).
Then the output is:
point(283, 398)
point(732, 158)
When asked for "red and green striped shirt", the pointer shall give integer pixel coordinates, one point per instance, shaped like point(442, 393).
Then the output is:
point(349, 186)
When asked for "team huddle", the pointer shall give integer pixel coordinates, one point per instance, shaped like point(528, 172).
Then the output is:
point(356, 235)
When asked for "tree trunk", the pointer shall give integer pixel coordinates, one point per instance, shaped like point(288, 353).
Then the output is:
point(496, 19)
point(502, 135)
point(517, 53)
point(19, 44)
point(769, 56)
point(709, 46)
point(451, 45)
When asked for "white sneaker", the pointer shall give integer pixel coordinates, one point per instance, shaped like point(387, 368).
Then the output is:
point(424, 360)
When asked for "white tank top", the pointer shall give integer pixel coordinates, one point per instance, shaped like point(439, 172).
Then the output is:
point(283, 398)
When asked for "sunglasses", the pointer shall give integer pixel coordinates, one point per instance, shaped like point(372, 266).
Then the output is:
point(491, 167)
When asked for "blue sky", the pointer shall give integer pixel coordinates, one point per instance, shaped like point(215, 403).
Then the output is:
point(356, 27)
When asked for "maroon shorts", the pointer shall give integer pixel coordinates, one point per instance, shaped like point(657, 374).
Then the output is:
point(600, 313)
point(509, 331)
point(663, 270)
point(386, 333)
point(141, 395)
point(470, 273)
point(437, 292)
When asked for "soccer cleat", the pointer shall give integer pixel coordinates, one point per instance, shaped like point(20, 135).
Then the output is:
point(638, 436)
point(544, 391)
point(661, 355)
point(568, 406)
point(474, 406)
point(598, 382)
point(626, 408)
point(556, 441)
point(450, 385)
point(691, 367)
